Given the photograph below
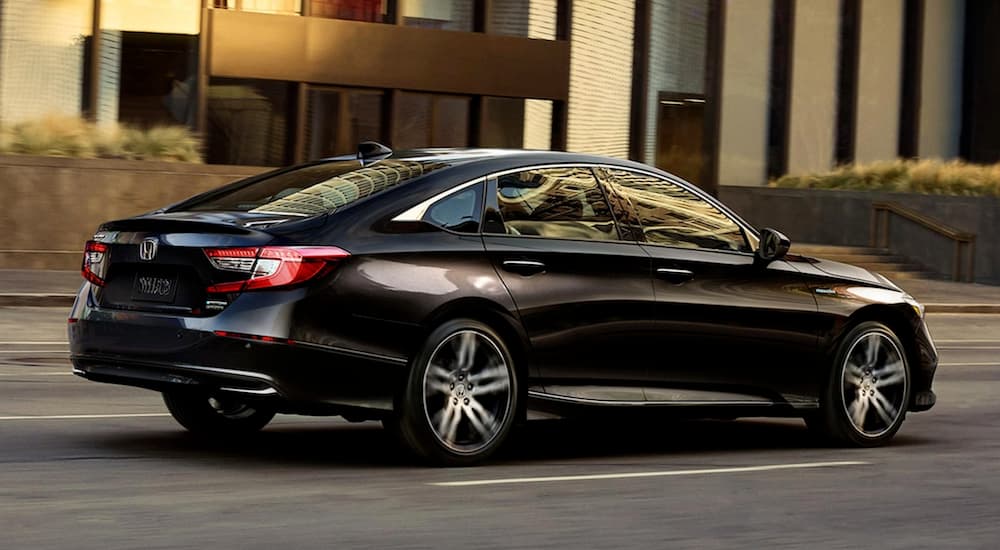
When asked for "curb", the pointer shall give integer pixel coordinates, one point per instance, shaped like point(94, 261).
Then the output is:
point(40, 299)
point(962, 308)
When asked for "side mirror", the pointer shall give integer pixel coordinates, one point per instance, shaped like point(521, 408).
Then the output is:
point(773, 246)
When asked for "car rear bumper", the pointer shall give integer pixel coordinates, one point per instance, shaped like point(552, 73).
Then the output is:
point(173, 353)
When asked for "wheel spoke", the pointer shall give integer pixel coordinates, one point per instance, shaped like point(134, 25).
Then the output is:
point(438, 373)
point(495, 387)
point(872, 344)
point(853, 375)
point(858, 411)
point(891, 379)
point(466, 349)
point(490, 374)
point(889, 369)
point(482, 420)
point(886, 410)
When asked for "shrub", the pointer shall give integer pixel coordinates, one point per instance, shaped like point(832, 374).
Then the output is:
point(62, 136)
point(912, 176)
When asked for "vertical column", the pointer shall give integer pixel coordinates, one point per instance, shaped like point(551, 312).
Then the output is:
point(745, 93)
point(813, 112)
point(879, 80)
point(601, 77)
point(941, 79)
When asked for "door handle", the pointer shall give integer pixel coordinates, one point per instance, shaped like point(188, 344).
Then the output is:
point(676, 276)
point(524, 267)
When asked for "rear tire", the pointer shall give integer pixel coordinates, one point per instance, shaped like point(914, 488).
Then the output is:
point(868, 391)
point(461, 397)
point(216, 416)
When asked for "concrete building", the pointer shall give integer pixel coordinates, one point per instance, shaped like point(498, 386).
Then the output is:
point(727, 92)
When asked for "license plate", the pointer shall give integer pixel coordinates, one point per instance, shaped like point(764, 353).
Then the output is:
point(149, 288)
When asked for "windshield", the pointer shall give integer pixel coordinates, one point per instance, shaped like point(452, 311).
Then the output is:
point(317, 189)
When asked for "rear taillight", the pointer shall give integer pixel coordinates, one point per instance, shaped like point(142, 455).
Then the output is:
point(94, 262)
point(273, 266)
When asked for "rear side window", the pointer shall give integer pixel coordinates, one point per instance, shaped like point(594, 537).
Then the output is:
point(558, 203)
point(459, 212)
point(317, 189)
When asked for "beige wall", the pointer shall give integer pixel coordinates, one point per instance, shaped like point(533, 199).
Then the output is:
point(879, 80)
point(600, 83)
point(53, 205)
point(745, 92)
point(941, 79)
point(814, 85)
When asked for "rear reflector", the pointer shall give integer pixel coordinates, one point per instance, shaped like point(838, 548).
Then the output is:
point(255, 337)
point(273, 266)
point(94, 264)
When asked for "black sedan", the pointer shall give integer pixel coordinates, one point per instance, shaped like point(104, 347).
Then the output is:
point(446, 292)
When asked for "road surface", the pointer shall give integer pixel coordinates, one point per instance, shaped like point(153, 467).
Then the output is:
point(86, 465)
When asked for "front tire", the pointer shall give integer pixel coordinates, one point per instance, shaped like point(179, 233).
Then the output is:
point(461, 395)
point(865, 400)
point(216, 416)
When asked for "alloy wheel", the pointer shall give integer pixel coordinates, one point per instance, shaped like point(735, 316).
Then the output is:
point(874, 383)
point(467, 391)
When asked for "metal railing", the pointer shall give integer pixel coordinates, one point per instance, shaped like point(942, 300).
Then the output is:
point(964, 241)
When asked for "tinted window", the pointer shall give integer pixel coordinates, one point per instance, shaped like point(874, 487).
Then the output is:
point(316, 189)
point(459, 211)
point(674, 216)
point(559, 203)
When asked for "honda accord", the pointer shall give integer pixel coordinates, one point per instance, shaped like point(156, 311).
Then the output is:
point(446, 292)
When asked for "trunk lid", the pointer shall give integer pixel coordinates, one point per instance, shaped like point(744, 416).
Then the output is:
point(158, 262)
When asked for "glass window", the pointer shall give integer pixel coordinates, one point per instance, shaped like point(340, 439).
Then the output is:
point(449, 15)
point(316, 189)
point(673, 216)
point(248, 122)
point(459, 211)
point(338, 120)
point(526, 18)
point(287, 7)
point(372, 11)
point(428, 120)
point(558, 203)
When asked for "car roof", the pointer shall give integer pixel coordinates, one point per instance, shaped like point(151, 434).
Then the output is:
point(457, 156)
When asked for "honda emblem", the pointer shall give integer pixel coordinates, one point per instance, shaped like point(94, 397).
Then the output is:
point(147, 248)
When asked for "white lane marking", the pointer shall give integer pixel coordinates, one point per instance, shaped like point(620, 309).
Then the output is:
point(993, 364)
point(968, 348)
point(967, 341)
point(82, 416)
point(36, 373)
point(630, 475)
point(35, 351)
point(64, 343)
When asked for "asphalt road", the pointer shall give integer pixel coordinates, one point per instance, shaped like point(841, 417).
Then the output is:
point(133, 479)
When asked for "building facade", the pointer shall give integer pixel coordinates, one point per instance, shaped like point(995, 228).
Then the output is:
point(728, 92)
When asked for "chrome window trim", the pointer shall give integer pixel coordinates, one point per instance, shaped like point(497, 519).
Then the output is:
point(417, 213)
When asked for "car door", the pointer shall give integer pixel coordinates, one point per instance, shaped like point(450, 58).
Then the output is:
point(582, 291)
point(729, 330)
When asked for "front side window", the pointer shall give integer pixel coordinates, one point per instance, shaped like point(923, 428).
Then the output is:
point(459, 212)
point(673, 216)
point(558, 203)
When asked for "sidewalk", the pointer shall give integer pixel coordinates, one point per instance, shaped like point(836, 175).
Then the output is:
point(58, 288)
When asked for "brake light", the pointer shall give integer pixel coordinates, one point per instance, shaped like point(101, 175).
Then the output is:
point(273, 266)
point(94, 266)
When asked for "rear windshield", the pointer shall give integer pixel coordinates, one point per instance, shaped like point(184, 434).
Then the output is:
point(317, 189)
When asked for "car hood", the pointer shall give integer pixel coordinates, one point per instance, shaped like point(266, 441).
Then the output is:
point(852, 272)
